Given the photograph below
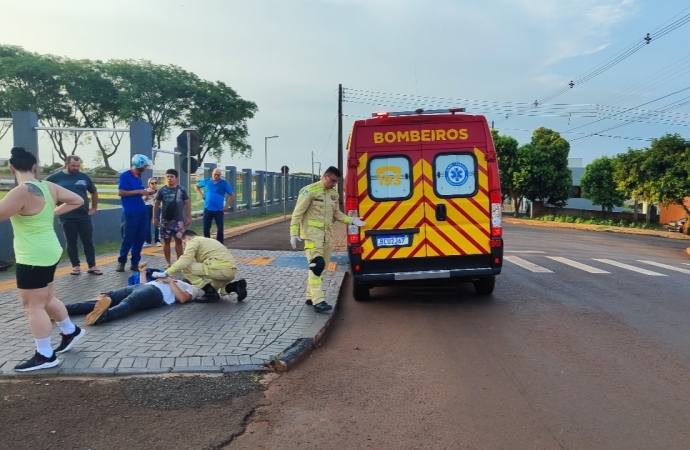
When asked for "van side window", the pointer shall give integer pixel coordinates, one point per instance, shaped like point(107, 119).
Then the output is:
point(390, 178)
point(455, 175)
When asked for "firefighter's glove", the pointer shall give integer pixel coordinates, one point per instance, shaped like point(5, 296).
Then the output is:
point(294, 240)
point(159, 275)
point(358, 222)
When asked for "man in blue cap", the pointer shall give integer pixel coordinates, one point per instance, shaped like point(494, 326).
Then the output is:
point(131, 189)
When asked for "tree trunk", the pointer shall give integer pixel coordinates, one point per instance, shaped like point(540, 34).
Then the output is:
point(516, 205)
point(603, 211)
point(635, 209)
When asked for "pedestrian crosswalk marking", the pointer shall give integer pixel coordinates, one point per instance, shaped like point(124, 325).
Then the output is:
point(629, 267)
point(665, 266)
point(527, 265)
point(577, 265)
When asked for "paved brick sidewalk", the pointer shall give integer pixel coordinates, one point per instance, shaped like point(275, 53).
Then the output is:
point(212, 337)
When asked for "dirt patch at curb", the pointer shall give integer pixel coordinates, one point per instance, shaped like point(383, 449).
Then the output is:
point(162, 412)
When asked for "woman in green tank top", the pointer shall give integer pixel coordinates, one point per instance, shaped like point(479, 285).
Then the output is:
point(31, 207)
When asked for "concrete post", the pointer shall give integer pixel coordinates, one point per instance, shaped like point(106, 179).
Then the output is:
point(140, 138)
point(270, 188)
point(247, 190)
point(208, 169)
point(231, 178)
point(260, 191)
point(24, 134)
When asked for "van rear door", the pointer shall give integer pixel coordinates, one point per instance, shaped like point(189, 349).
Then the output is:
point(391, 197)
point(457, 207)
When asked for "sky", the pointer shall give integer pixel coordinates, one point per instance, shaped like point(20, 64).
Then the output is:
point(494, 57)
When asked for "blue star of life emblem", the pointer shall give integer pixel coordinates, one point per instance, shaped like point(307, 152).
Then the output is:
point(457, 174)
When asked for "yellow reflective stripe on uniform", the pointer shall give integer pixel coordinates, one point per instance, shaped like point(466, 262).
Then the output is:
point(316, 189)
point(219, 264)
point(309, 245)
point(313, 281)
point(314, 223)
point(348, 220)
point(294, 228)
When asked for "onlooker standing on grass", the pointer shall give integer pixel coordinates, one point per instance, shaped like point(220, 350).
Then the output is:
point(31, 206)
point(77, 223)
point(131, 189)
point(176, 213)
point(215, 189)
point(150, 199)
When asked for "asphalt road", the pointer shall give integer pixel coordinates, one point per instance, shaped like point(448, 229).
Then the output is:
point(562, 356)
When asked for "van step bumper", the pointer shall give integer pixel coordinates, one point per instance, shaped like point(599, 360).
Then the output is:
point(428, 275)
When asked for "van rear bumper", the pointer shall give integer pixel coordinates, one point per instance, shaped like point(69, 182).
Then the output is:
point(428, 275)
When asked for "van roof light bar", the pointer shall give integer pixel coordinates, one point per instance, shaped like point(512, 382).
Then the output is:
point(418, 112)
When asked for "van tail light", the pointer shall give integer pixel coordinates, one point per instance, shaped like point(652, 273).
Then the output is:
point(496, 220)
point(352, 230)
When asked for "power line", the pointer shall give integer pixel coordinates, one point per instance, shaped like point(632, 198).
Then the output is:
point(611, 62)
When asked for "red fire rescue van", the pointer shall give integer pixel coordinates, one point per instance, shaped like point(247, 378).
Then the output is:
point(427, 185)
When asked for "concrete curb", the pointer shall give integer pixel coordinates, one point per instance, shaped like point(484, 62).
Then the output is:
point(305, 344)
point(599, 228)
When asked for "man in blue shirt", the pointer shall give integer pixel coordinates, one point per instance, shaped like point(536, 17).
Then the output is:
point(130, 189)
point(214, 193)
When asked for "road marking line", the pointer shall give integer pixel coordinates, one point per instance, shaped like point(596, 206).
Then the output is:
point(523, 251)
point(526, 264)
point(629, 267)
point(577, 265)
point(665, 266)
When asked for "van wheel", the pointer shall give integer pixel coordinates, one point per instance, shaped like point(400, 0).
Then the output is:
point(485, 286)
point(360, 292)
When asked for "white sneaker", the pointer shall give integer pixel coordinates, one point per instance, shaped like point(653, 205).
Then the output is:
point(158, 244)
point(146, 244)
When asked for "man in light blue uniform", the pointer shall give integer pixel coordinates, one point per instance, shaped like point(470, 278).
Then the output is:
point(215, 189)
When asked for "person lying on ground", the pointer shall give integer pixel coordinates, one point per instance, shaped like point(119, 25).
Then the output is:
point(122, 302)
point(208, 265)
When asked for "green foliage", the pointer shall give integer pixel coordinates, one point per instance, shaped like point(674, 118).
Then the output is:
point(102, 170)
point(669, 166)
point(52, 168)
point(599, 186)
point(508, 166)
point(543, 168)
point(220, 115)
point(84, 93)
point(592, 221)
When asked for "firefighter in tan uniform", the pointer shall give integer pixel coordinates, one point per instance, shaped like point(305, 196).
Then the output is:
point(312, 220)
point(208, 265)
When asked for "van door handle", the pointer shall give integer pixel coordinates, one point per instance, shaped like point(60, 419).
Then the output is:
point(441, 212)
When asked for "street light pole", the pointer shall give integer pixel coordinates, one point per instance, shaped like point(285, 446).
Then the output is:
point(266, 170)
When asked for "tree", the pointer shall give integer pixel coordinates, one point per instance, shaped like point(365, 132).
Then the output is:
point(630, 176)
point(158, 94)
point(508, 167)
point(220, 115)
point(96, 102)
point(32, 82)
point(543, 168)
point(668, 164)
point(599, 186)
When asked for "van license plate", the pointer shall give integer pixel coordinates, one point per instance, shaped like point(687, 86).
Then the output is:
point(393, 241)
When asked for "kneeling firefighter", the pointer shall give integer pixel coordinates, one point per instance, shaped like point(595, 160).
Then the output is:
point(312, 220)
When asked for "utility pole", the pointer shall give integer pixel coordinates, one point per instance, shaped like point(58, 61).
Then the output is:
point(312, 167)
point(340, 143)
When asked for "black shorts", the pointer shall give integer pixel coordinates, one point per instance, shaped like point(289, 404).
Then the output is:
point(34, 277)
